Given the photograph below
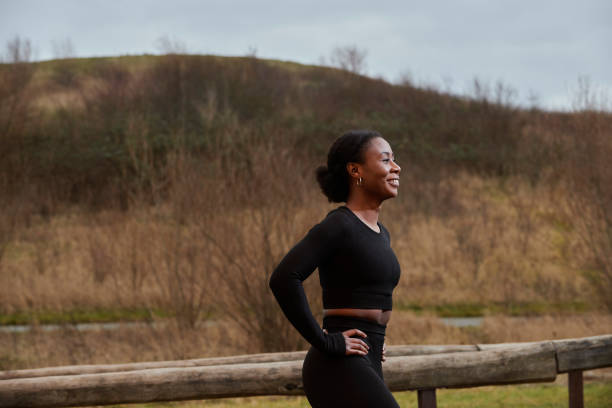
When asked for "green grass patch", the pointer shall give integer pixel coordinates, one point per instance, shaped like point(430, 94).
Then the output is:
point(596, 395)
point(95, 315)
point(509, 309)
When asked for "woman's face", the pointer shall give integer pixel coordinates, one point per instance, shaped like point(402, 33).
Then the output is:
point(379, 171)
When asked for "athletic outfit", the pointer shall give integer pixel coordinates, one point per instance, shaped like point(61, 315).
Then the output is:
point(357, 269)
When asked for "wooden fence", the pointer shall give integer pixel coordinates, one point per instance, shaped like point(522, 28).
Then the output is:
point(420, 368)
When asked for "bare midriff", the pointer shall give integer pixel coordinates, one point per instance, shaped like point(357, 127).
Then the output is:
point(376, 315)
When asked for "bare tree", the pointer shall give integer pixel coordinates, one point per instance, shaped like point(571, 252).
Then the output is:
point(14, 96)
point(63, 49)
point(251, 52)
point(349, 58)
point(64, 70)
point(169, 46)
point(18, 50)
point(589, 198)
point(590, 202)
point(406, 78)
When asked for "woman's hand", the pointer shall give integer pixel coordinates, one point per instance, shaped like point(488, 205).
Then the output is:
point(384, 353)
point(353, 345)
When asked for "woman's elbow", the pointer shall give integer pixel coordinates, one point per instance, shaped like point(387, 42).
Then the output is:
point(275, 281)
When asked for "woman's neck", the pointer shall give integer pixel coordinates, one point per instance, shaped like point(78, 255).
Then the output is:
point(366, 210)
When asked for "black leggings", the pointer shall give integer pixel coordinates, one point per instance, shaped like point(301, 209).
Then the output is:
point(348, 381)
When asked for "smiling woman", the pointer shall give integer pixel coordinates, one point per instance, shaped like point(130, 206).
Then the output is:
point(358, 272)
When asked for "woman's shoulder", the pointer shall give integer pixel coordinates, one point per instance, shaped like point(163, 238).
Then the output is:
point(336, 219)
point(339, 214)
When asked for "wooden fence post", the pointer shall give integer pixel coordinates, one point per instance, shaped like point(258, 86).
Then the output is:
point(427, 398)
point(574, 384)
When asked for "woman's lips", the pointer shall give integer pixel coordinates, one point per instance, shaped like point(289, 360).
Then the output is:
point(394, 182)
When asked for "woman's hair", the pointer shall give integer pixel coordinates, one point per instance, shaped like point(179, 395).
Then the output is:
point(334, 178)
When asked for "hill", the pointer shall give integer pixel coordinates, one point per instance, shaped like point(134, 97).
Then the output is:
point(74, 125)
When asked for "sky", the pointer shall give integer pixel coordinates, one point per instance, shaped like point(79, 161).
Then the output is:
point(540, 49)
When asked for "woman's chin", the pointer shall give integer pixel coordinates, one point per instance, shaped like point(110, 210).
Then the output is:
point(389, 194)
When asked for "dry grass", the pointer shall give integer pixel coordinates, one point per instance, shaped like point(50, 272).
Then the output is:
point(165, 341)
point(168, 340)
point(132, 259)
point(507, 329)
point(500, 243)
point(208, 250)
point(407, 328)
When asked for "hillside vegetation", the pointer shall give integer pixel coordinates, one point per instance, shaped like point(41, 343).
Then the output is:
point(170, 186)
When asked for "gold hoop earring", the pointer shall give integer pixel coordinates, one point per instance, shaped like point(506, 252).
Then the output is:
point(360, 182)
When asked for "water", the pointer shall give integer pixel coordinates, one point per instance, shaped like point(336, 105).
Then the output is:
point(462, 321)
point(22, 328)
point(449, 321)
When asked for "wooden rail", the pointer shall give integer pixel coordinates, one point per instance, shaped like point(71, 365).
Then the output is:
point(392, 351)
point(426, 371)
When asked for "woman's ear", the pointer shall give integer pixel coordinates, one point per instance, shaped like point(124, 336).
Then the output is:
point(353, 169)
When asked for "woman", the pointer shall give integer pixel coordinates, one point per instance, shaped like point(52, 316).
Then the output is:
point(357, 270)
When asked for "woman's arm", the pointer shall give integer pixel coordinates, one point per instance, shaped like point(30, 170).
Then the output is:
point(299, 263)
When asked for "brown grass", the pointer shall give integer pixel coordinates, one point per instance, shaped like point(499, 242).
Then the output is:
point(165, 341)
point(133, 259)
point(168, 340)
point(491, 248)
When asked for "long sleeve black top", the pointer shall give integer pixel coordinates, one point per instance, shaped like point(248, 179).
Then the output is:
point(357, 269)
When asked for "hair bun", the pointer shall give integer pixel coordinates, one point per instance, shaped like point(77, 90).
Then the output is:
point(334, 178)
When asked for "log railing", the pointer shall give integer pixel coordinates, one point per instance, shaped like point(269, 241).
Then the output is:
point(421, 368)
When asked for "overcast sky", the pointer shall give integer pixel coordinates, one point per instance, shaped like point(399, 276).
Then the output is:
point(538, 47)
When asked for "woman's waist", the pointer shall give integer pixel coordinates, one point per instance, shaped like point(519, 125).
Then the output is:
point(369, 319)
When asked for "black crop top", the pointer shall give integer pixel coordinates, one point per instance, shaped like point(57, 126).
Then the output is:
point(357, 269)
